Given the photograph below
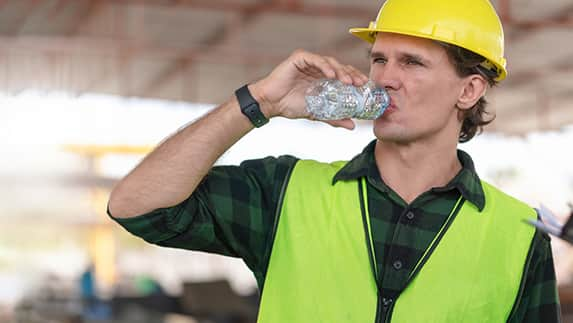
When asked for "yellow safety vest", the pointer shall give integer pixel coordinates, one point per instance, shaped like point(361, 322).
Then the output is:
point(319, 269)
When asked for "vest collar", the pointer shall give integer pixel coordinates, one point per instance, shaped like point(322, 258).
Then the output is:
point(467, 182)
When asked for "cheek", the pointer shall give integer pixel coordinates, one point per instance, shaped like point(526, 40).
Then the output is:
point(432, 93)
point(431, 105)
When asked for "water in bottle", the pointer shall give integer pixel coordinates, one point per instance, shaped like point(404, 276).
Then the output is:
point(329, 99)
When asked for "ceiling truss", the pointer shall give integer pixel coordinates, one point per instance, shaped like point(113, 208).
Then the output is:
point(22, 36)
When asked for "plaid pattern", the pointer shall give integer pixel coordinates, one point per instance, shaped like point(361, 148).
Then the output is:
point(233, 211)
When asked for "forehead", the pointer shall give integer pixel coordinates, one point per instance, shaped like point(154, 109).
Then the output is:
point(390, 42)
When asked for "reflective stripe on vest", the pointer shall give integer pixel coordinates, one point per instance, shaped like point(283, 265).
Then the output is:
point(319, 268)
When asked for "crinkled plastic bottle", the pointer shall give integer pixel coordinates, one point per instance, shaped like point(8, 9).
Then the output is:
point(330, 99)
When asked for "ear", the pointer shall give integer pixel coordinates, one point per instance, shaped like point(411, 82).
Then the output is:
point(474, 88)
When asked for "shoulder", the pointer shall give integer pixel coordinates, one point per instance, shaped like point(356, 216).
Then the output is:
point(499, 200)
point(269, 161)
point(312, 169)
point(268, 168)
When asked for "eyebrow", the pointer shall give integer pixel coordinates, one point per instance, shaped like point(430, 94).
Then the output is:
point(371, 53)
point(403, 55)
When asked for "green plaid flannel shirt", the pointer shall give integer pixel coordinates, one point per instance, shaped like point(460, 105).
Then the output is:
point(232, 213)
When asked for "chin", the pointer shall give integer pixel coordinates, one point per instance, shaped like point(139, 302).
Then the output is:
point(393, 134)
point(389, 136)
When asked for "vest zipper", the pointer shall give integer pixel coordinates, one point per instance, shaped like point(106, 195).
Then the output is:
point(387, 307)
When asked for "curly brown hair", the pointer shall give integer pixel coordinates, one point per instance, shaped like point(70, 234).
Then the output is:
point(467, 63)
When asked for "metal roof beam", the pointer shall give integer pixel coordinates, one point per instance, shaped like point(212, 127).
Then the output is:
point(16, 24)
point(276, 6)
point(90, 10)
point(219, 36)
point(533, 75)
point(47, 45)
point(562, 19)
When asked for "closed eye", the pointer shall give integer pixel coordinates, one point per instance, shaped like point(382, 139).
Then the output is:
point(414, 62)
point(379, 60)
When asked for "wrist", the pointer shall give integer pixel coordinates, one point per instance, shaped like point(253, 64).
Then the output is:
point(250, 107)
point(258, 93)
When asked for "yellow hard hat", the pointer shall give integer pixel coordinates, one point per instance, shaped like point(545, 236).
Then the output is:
point(470, 24)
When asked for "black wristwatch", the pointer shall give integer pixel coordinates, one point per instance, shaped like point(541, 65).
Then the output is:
point(250, 107)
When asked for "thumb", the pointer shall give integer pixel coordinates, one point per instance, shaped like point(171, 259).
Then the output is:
point(344, 123)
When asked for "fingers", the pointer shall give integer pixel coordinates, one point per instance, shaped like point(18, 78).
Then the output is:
point(344, 123)
point(318, 66)
point(313, 65)
point(342, 72)
point(347, 73)
point(358, 77)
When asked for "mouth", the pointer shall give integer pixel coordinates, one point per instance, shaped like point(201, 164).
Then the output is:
point(391, 107)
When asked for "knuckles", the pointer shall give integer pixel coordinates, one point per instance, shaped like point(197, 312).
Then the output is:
point(298, 53)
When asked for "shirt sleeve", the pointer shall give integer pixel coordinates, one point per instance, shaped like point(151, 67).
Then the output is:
point(230, 213)
point(539, 302)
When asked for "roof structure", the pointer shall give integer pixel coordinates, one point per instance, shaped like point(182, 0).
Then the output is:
point(201, 50)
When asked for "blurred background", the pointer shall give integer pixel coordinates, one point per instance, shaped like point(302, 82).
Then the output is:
point(88, 87)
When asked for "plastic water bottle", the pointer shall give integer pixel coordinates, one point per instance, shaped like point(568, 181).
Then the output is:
point(328, 99)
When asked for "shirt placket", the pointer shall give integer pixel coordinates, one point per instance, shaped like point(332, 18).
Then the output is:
point(395, 272)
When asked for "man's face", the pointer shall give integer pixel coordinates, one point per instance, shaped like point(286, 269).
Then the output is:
point(424, 88)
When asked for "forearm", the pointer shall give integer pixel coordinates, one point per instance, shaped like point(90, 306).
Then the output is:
point(173, 170)
point(170, 173)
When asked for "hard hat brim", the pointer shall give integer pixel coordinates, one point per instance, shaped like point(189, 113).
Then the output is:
point(369, 35)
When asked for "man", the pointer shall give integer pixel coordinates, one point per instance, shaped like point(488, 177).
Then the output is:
point(404, 232)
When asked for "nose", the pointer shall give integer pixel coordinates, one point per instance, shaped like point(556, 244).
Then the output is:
point(386, 76)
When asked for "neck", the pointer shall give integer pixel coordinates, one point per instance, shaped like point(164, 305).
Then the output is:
point(412, 169)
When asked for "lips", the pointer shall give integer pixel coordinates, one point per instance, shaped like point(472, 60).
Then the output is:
point(391, 107)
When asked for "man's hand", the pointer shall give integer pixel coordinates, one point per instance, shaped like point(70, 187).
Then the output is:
point(170, 173)
point(282, 92)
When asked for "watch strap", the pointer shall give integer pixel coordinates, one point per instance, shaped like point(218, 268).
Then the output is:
point(250, 107)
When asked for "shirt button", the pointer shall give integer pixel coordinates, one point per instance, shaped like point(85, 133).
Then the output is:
point(410, 215)
point(397, 265)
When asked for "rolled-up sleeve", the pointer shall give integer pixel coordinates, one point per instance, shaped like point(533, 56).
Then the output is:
point(230, 213)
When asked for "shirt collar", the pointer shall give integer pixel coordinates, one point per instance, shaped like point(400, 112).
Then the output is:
point(467, 182)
